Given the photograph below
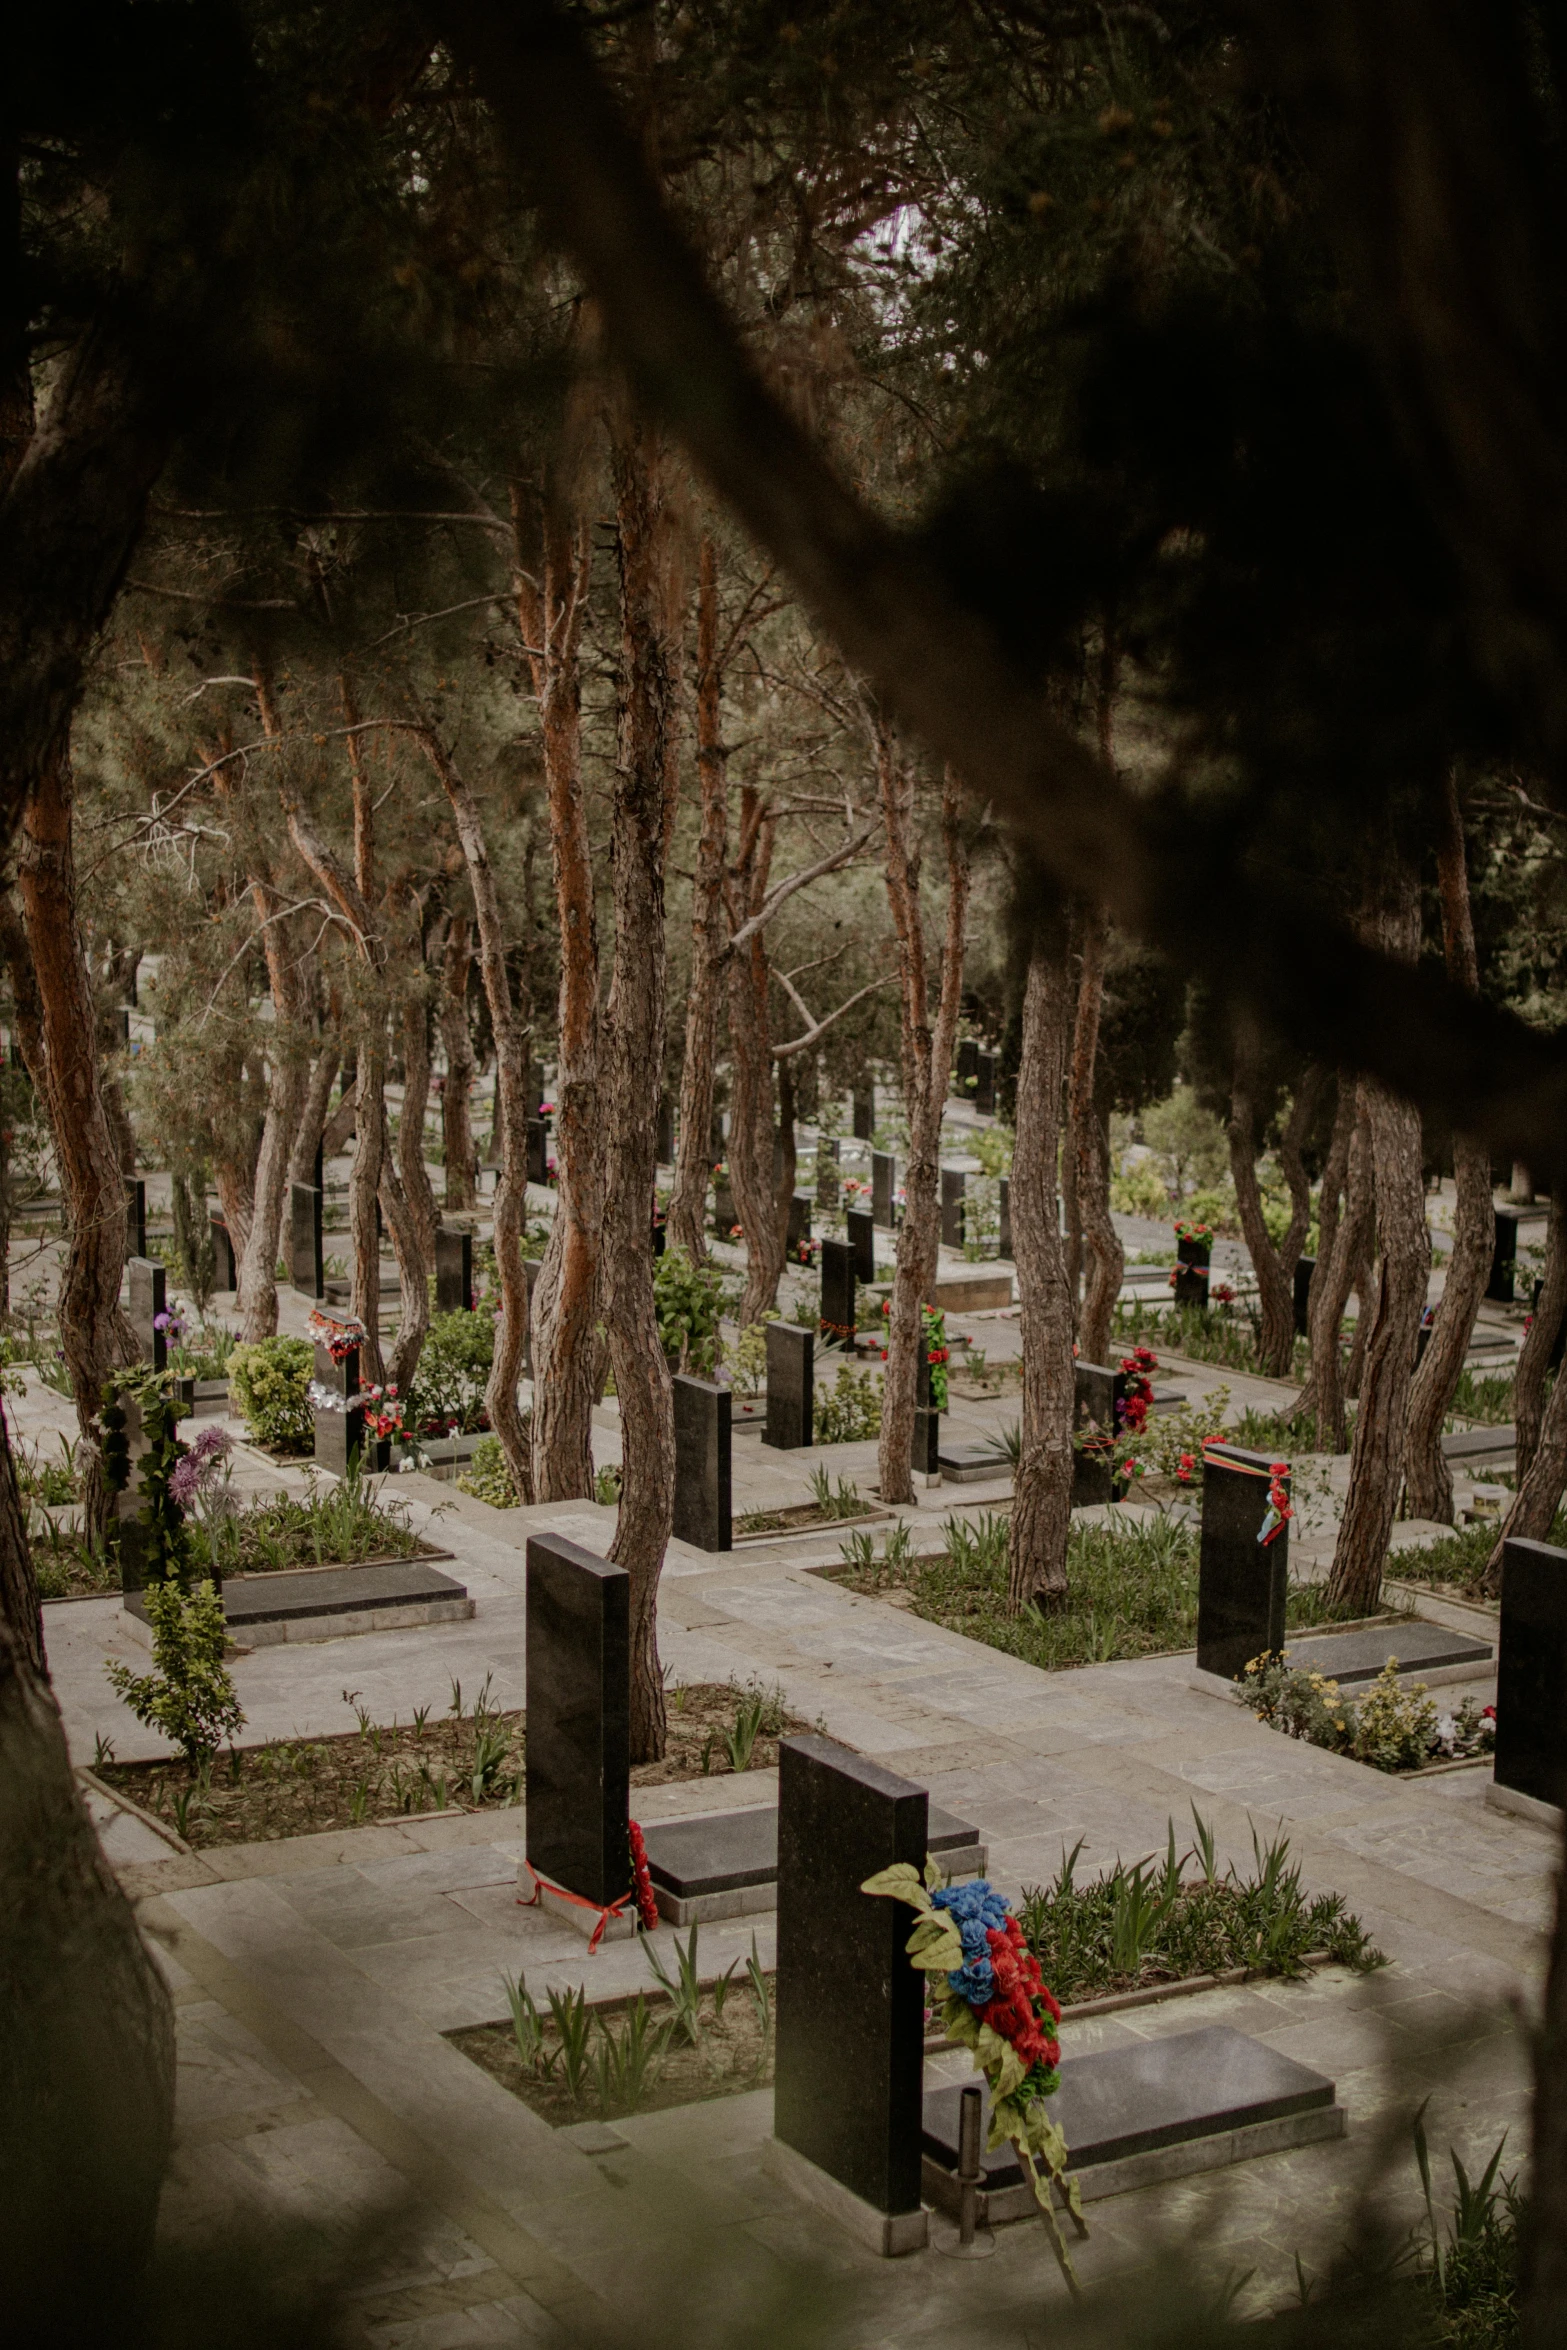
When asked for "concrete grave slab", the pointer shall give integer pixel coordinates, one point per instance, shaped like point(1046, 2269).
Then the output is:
point(725, 1864)
point(1359, 1656)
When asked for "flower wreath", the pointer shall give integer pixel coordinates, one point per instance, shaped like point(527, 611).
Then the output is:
point(338, 1337)
point(998, 2006)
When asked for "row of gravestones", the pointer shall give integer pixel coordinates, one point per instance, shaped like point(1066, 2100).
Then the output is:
point(853, 2124)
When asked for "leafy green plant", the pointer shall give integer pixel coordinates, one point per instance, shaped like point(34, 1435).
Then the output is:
point(573, 2021)
point(689, 1302)
point(454, 1371)
point(487, 1477)
point(683, 1989)
point(606, 1486)
point(850, 1412)
point(1395, 1728)
point(748, 1356)
point(190, 1694)
point(627, 2063)
point(980, 1544)
point(270, 1383)
point(842, 1500)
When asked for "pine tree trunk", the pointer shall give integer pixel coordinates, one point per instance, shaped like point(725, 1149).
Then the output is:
point(1539, 1495)
point(751, 1056)
point(1367, 1285)
point(414, 1175)
point(1403, 1272)
point(1322, 1397)
point(1545, 1327)
point(567, 1301)
point(364, 1191)
point(457, 1048)
point(95, 1337)
point(310, 1133)
point(1543, 2249)
point(688, 1201)
point(1275, 1274)
point(926, 1053)
point(1106, 1259)
point(634, 1056)
point(1042, 1510)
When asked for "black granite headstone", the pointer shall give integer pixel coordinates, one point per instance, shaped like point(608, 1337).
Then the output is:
point(659, 1237)
point(531, 1269)
point(307, 1261)
point(147, 1302)
point(538, 1146)
point(851, 2006)
point(136, 1219)
point(1005, 1243)
point(791, 1352)
point(1531, 1672)
point(666, 1132)
point(799, 1221)
point(1098, 1392)
point(579, 1719)
point(536, 1094)
point(1504, 1258)
point(864, 1106)
point(702, 1440)
point(884, 1182)
point(985, 1084)
point(1304, 1269)
point(968, 1067)
point(1242, 1583)
point(837, 1316)
point(862, 1239)
point(453, 1271)
point(925, 1451)
point(226, 1276)
point(339, 1434)
point(954, 1186)
point(1560, 1347)
point(724, 1217)
point(1192, 1260)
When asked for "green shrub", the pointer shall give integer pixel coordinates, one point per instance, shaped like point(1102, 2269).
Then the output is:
point(689, 1301)
point(1141, 1192)
point(270, 1382)
point(189, 1695)
point(487, 1477)
point(454, 1371)
point(851, 1411)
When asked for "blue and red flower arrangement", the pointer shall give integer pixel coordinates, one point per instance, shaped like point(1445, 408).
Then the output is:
point(998, 2006)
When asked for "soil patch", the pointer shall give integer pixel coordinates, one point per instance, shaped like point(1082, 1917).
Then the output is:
point(804, 1517)
point(614, 2060)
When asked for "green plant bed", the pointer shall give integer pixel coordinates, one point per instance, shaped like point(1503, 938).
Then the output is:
point(1286, 1435)
point(1218, 1336)
point(1483, 1397)
point(1131, 1592)
point(336, 1524)
point(1460, 1559)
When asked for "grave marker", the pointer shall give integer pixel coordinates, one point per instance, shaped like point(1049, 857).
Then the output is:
point(665, 1145)
point(837, 1315)
point(339, 1426)
point(147, 1301)
point(850, 2060)
point(1192, 1261)
point(702, 1482)
point(453, 1271)
point(1304, 1269)
point(1005, 1243)
point(884, 1181)
point(791, 1352)
point(531, 1269)
point(926, 1449)
point(799, 1221)
point(578, 1611)
point(1242, 1582)
point(985, 1086)
point(538, 1144)
point(1561, 1336)
point(954, 1186)
point(864, 1108)
point(307, 1262)
point(968, 1067)
point(1098, 1392)
point(1530, 1771)
point(1504, 1258)
point(136, 1218)
point(226, 1276)
point(862, 1239)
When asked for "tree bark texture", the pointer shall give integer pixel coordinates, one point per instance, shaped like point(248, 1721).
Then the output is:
point(1274, 1268)
point(926, 1041)
point(634, 1054)
point(1403, 1271)
point(1544, 1329)
point(95, 1336)
point(1428, 1481)
point(566, 1302)
point(1106, 1259)
point(751, 1150)
point(461, 1192)
point(417, 1188)
point(1349, 1164)
point(512, 1117)
point(310, 1134)
point(688, 1201)
point(1042, 1509)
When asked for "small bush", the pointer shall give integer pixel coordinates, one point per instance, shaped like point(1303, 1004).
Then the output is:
point(689, 1302)
point(488, 1478)
point(189, 1695)
point(1140, 1192)
point(454, 1371)
point(270, 1382)
point(851, 1411)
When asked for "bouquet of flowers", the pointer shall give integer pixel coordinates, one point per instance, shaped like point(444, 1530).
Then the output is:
point(998, 2005)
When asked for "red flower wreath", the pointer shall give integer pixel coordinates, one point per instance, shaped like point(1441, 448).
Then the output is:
point(647, 1906)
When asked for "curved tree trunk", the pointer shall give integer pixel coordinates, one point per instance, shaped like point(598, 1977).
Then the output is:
point(688, 1201)
point(1322, 1397)
point(457, 1048)
point(414, 1175)
point(94, 1334)
point(1545, 1327)
point(634, 1054)
point(1366, 1286)
point(1042, 1510)
point(310, 1134)
point(1403, 1271)
point(751, 1150)
point(364, 1191)
point(1106, 1259)
point(1539, 1495)
point(1274, 1268)
point(926, 1051)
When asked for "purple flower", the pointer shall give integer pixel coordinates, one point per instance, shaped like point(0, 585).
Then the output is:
point(185, 1481)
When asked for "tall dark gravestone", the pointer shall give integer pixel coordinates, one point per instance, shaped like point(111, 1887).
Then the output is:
point(1531, 1678)
point(1192, 1261)
point(531, 1269)
point(954, 1189)
point(666, 1132)
point(306, 1259)
point(1005, 1190)
point(703, 1436)
point(724, 1217)
point(851, 2006)
point(791, 1373)
point(339, 1432)
point(226, 1271)
point(864, 1109)
point(884, 1182)
point(538, 1149)
point(968, 1067)
point(862, 1239)
point(1098, 1393)
point(1305, 1267)
point(136, 1218)
point(536, 1094)
point(837, 1316)
point(985, 1084)
point(926, 1449)
point(148, 1295)
point(1242, 1582)
point(1504, 1258)
point(799, 1221)
point(827, 1172)
point(579, 1719)
point(453, 1271)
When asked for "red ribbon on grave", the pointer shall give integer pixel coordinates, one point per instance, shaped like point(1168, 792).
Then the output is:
point(641, 1893)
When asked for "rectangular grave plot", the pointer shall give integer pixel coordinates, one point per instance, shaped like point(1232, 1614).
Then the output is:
point(1242, 1582)
point(850, 2006)
point(1531, 1674)
point(1350, 1657)
point(579, 1718)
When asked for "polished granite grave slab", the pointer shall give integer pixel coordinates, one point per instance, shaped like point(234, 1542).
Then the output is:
point(1479, 1444)
point(725, 1864)
point(578, 1714)
point(1186, 2102)
point(1359, 1656)
point(1531, 1681)
point(972, 1464)
point(324, 1603)
point(1242, 1581)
